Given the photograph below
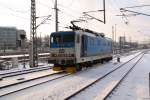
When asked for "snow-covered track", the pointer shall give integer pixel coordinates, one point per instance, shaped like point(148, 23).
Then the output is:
point(120, 81)
point(102, 77)
point(9, 89)
point(21, 72)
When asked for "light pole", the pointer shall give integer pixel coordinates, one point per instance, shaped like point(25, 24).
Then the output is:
point(113, 39)
point(115, 36)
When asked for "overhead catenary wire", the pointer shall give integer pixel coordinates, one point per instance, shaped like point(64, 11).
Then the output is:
point(70, 9)
point(14, 10)
point(56, 8)
point(68, 5)
point(47, 18)
point(134, 12)
point(68, 14)
point(53, 2)
point(137, 6)
point(124, 17)
point(19, 16)
point(44, 5)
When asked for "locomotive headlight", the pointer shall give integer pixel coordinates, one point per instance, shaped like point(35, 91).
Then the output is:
point(62, 55)
point(53, 55)
point(71, 55)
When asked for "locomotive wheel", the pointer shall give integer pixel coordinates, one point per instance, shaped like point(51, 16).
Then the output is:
point(78, 67)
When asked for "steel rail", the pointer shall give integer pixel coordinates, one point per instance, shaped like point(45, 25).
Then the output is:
point(121, 80)
point(13, 84)
point(4, 75)
point(100, 78)
point(31, 81)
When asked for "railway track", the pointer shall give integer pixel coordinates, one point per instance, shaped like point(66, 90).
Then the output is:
point(21, 72)
point(121, 80)
point(22, 85)
point(9, 89)
point(15, 73)
point(104, 76)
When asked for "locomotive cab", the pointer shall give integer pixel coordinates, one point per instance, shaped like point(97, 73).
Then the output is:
point(62, 49)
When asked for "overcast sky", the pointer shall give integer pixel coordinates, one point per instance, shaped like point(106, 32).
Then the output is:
point(16, 13)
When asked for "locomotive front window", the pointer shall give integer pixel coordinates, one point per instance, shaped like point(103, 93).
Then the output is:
point(56, 39)
point(68, 38)
point(62, 39)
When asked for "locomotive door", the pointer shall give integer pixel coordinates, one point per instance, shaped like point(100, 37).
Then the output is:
point(83, 45)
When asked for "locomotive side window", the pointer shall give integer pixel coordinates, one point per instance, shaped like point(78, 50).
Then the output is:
point(98, 42)
point(56, 39)
point(92, 42)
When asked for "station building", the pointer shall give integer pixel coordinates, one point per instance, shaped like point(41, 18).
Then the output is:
point(10, 37)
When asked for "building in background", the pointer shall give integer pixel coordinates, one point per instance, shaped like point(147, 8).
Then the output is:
point(10, 36)
point(122, 41)
point(126, 45)
point(21, 38)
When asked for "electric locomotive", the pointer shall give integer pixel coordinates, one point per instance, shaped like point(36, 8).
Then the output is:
point(73, 50)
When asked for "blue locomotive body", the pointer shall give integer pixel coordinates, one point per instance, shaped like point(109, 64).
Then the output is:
point(92, 46)
point(77, 49)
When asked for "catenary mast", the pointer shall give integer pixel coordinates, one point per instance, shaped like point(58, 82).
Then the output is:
point(33, 36)
point(56, 15)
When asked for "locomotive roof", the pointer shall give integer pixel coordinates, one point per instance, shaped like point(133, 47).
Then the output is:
point(90, 33)
point(61, 32)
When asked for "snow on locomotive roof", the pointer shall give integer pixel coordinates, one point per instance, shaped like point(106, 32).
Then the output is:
point(61, 32)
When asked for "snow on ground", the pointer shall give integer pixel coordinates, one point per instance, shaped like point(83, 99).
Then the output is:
point(14, 79)
point(27, 67)
point(20, 55)
point(25, 85)
point(99, 90)
point(136, 85)
point(44, 64)
point(59, 89)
